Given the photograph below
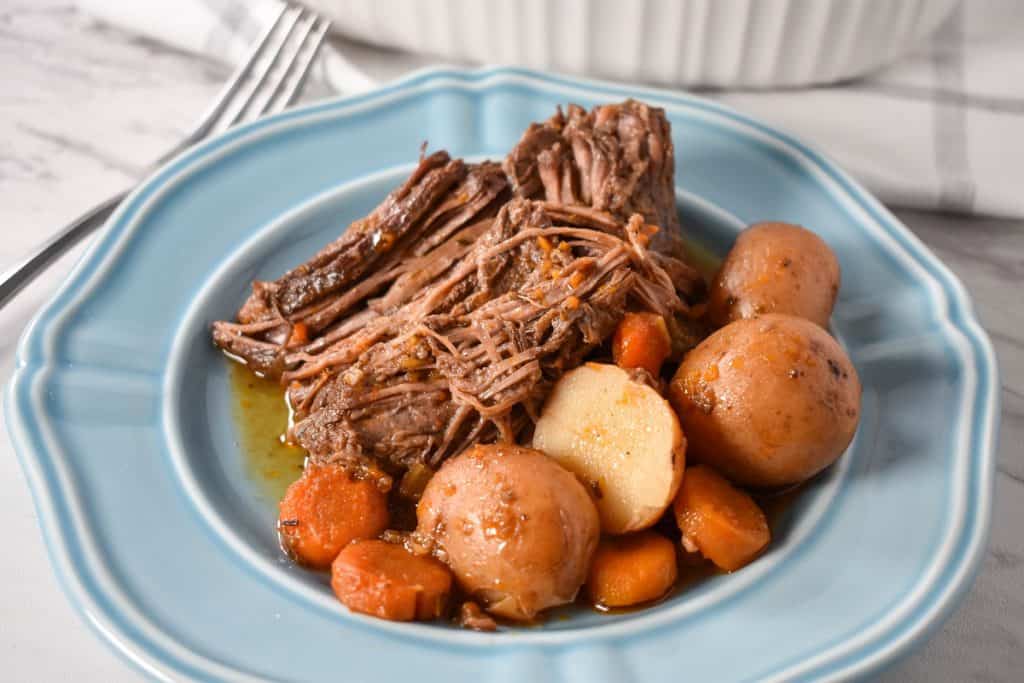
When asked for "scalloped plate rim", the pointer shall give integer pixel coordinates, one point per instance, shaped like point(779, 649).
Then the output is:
point(947, 295)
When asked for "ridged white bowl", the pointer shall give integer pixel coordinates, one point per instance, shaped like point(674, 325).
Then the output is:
point(725, 43)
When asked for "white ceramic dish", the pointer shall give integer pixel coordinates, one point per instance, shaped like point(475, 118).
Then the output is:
point(721, 43)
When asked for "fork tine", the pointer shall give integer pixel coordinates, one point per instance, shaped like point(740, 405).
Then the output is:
point(286, 72)
point(301, 70)
point(275, 78)
point(275, 84)
point(227, 93)
point(270, 77)
point(242, 102)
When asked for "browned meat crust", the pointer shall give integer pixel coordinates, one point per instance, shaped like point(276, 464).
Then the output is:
point(442, 318)
point(440, 198)
point(617, 158)
point(471, 358)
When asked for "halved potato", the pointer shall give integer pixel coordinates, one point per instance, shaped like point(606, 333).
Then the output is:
point(621, 438)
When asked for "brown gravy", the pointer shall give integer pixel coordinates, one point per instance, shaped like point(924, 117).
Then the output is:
point(261, 421)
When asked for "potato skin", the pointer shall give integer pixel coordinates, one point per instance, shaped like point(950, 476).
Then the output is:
point(775, 268)
point(516, 529)
point(768, 402)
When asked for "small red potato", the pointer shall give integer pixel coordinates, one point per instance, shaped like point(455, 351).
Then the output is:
point(767, 402)
point(775, 268)
point(516, 529)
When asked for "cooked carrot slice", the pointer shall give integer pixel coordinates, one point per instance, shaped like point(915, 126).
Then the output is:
point(641, 341)
point(326, 509)
point(299, 335)
point(628, 570)
point(718, 519)
point(387, 581)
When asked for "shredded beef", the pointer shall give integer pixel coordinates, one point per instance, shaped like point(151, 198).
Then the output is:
point(443, 318)
point(617, 158)
point(472, 357)
point(440, 198)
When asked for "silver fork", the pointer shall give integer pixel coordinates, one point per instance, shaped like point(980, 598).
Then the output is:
point(266, 82)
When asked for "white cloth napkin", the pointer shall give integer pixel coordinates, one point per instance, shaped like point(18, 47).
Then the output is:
point(941, 129)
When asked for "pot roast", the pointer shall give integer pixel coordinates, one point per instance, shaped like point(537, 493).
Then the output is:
point(443, 318)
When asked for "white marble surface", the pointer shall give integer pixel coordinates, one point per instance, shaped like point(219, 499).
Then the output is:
point(84, 108)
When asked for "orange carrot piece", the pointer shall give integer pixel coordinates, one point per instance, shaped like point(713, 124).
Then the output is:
point(387, 581)
point(299, 335)
point(641, 341)
point(325, 510)
point(718, 519)
point(629, 570)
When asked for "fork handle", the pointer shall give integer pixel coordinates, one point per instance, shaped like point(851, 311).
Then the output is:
point(21, 274)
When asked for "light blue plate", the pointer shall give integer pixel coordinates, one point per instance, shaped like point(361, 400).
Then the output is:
point(119, 409)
